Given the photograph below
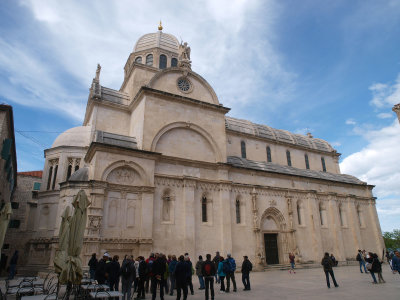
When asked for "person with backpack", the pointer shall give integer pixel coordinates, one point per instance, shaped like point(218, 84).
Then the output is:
point(142, 270)
point(230, 275)
point(128, 275)
point(181, 271)
point(247, 267)
point(327, 264)
point(199, 266)
point(171, 269)
point(361, 261)
point(208, 272)
point(221, 273)
point(149, 264)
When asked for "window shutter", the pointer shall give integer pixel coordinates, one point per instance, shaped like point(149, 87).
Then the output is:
point(36, 186)
point(5, 151)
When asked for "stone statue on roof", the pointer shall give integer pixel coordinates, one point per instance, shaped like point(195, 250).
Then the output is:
point(98, 72)
point(184, 51)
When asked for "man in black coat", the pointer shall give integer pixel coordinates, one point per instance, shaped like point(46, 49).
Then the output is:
point(100, 274)
point(158, 269)
point(181, 281)
point(247, 267)
point(142, 278)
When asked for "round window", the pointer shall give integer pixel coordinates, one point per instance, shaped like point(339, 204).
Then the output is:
point(184, 84)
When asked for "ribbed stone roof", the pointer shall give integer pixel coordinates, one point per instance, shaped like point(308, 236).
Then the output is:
point(280, 135)
point(274, 168)
point(157, 39)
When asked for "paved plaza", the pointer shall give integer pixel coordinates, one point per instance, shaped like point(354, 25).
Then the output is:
point(311, 284)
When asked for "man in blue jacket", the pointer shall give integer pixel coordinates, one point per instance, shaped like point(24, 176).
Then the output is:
point(396, 262)
point(231, 273)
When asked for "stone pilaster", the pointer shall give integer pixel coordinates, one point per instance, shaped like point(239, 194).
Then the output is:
point(354, 223)
point(380, 245)
point(225, 218)
point(314, 225)
point(147, 221)
point(336, 229)
point(190, 216)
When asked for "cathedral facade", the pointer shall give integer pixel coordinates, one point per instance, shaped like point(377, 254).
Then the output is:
point(166, 170)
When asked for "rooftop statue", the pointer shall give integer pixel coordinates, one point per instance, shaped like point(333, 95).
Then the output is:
point(184, 51)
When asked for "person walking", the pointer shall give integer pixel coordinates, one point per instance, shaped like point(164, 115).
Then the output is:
point(181, 270)
point(247, 267)
point(372, 266)
point(92, 266)
point(171, 269)
point(158, 271)
point(230, 275)
point(128, 275)
point(142, 270)
point(189, 273)
point(13, 265)
point(361, 261)
point(377, 267)
point(396, 262)
point(208, 272)
point(149, 264)
point(113, 270)
point(216, 261)
point(292, 263)
point(199, 267)
point(221, 274)
point(327, 263)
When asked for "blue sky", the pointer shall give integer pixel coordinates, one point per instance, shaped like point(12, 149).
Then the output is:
point(329, 68)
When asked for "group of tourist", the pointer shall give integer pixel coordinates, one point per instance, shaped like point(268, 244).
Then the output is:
point(168, 274)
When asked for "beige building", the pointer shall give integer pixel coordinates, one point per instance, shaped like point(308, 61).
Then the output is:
point(167, 170)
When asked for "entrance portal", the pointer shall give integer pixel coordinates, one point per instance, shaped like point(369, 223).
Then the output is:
point(271, 248)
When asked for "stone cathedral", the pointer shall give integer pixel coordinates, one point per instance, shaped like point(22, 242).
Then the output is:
point(166, 170)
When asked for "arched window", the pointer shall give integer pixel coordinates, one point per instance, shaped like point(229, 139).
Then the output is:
point(49, 178)
point(243, 149)
point(306, 160)
point(174, 62)
point(69, 171)
point(237, 205)
point(204, 209)
point(289, 160)
point(149, 60)
point(323, 164)
point(54, 177)
point(138, 60)
point(299, 214)
point(163, 61)
point(269, 158)
point(76, 168)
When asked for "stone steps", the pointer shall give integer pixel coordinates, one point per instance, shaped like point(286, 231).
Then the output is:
point(306, 265)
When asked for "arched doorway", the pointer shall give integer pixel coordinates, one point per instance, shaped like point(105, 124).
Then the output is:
point(274, 236)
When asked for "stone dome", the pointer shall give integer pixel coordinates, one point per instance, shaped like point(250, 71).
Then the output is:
point(76, 136)
point(157, 39)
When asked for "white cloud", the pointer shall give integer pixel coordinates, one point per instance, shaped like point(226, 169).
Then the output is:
point(231, 42)
point(385, 115)
point(385, 95)
point(378, 164)
point(350, 122)
point(336, 144)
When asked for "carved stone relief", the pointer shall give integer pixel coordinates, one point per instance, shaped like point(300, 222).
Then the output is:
point(123, 175)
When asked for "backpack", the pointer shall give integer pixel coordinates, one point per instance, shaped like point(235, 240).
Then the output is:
point(225, 267)
point(326, 264)
point(250, 266)
point(232, 265)
point(358, 258)
point(126, 270)
point(207, 269)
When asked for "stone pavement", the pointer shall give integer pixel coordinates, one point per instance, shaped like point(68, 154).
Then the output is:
point(309, 284)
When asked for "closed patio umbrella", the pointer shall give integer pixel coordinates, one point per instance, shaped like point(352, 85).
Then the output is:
point(63, 239)
point(72, 273)
point(5, 215)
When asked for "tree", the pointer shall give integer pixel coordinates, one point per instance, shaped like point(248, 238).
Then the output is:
point(392, 239)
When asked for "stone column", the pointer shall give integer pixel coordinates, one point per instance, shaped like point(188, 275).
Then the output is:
point(314, 225)
point(292, 244)
point(256, 229)
point(146, 226)
point(336, 229)
point(225, 218)
point(354, 223)
point(190, 216)
point(380, 245)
